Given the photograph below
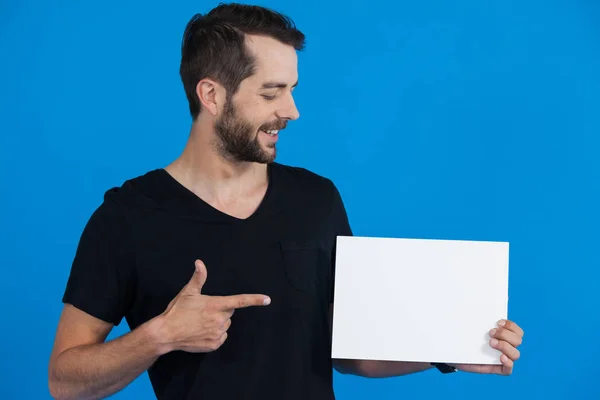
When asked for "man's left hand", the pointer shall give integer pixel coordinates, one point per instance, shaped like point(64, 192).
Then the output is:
point(505, 338)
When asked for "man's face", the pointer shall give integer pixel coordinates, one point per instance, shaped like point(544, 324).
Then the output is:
point(249, 125)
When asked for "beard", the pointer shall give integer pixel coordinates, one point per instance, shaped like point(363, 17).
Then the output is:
point(239, 138)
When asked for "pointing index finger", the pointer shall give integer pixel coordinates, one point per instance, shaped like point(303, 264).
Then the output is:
point(243, 301)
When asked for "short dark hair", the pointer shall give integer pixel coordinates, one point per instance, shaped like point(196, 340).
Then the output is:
point(213, 46)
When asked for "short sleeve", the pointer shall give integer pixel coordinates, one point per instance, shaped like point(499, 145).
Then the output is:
point(98, 282)
point(340, 217)
point(341, 227)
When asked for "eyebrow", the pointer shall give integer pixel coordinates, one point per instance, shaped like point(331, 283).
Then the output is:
point(276, 85)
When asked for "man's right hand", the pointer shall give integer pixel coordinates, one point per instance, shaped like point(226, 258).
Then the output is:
point(198, 323)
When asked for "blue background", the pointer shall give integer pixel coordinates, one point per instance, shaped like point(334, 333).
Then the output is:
point(457, 120)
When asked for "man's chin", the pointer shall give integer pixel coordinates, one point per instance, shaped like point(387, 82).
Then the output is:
point(269, 159)
point(269, 155)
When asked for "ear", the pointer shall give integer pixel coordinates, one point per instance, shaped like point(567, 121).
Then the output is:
point(211, 95)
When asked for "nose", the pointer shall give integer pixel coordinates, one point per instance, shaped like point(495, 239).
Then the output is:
point(289, 109)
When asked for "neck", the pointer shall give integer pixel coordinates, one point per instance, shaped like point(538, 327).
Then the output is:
point(204, 170)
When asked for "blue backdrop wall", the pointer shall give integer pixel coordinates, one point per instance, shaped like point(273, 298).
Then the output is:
point(454, 120)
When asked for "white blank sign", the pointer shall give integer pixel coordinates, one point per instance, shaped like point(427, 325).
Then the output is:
point(418, 299)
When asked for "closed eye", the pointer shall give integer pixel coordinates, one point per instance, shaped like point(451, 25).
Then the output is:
point(268, 97)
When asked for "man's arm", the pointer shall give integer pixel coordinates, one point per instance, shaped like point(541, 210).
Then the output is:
point(82, 366)
point(375, 369)
point(506, 338)
point(378, 369)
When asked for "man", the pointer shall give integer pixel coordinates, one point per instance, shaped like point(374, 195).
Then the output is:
point(221, 262)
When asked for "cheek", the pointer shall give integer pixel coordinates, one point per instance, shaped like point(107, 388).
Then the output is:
point(257, 120)
point(256, 112)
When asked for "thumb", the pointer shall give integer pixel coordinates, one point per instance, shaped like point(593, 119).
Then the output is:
point(198, 278)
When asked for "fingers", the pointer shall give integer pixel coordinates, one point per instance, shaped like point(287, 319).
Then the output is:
point(506, 348)
point(242, 301)
point(220, 328)
point(480, 368)
point(511, 326)
point(212, 345)
point(508, 336)
point(226, 325)
point(222, 339)
point(505, 338)
point(505, 368)
point(198, 278)
point(507, 365)
point(220, 335)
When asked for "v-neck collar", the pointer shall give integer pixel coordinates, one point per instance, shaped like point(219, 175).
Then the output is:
point(181, 199)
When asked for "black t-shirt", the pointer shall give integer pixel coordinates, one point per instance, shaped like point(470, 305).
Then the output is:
point(138, 249)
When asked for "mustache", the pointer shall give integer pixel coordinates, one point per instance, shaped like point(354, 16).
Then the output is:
point(277, 125)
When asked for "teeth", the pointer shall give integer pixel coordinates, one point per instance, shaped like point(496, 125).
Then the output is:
point(273, 131)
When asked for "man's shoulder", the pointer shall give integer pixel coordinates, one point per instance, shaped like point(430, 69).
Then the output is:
point(137, 192)
point(302, 178)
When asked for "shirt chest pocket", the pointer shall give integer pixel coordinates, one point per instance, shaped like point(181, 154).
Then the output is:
point(306, 264)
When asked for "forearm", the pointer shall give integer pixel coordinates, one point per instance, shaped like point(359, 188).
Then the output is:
point(378, 369)
point(100, 370)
